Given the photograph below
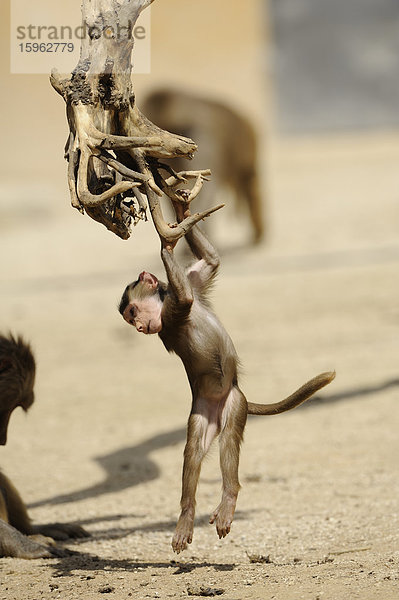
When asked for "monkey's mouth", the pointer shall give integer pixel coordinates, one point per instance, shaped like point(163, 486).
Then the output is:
point(154, 329)
point(147, 328)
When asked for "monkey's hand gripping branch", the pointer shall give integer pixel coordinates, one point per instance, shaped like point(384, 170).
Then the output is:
point(180, 199)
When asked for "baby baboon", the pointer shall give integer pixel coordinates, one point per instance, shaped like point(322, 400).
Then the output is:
point(180, 312)
point(17, 378)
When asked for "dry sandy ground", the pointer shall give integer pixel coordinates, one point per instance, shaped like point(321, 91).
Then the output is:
point(103, 443)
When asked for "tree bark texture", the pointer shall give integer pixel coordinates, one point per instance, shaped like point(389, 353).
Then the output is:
point(115, 154)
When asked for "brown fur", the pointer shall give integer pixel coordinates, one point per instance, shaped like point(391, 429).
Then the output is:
point(194, 333)
point(17, 377)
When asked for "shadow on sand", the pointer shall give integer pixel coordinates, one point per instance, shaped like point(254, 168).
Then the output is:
point(124, 468)
point(132, 466)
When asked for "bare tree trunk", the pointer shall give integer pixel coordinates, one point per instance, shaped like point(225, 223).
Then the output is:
point(114, 152)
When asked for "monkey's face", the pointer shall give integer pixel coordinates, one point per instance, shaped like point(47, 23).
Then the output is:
point(4, 420)
point(141, 304)
point(17, 379)
point(18, 392)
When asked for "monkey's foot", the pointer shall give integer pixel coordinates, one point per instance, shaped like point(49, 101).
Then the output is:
point(62, 531)
point(183, 533)
point(45, 540)
point(223, 516)
point(15, 544)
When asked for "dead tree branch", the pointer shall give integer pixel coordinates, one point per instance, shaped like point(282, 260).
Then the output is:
point(114, 152)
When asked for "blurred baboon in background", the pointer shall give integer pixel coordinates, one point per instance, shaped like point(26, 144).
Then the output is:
point(227, 144)
point(17, 378)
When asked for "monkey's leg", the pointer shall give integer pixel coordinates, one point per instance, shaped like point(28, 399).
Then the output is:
point(250, 189)
point(201, 431)
point(234, 417)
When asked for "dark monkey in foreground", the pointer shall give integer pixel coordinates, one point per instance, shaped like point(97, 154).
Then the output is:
point(17, 378)
point(181, 314)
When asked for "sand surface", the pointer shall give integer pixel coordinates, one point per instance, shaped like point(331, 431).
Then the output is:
point(103, 443)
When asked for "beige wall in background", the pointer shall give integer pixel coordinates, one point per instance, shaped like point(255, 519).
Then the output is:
point(216, 47)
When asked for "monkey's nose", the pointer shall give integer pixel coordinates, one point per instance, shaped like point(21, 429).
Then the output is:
point(139, 327)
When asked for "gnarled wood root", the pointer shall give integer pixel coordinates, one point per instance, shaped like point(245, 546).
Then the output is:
point(114, 159)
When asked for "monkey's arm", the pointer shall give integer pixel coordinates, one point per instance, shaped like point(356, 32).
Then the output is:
point(13, 510)
point(177, 278)
point(14, 543)
point(12, 507)
point(203, 271)
point(202, 248)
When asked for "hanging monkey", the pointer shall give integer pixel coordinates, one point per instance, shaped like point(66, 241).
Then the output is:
point(180, 313)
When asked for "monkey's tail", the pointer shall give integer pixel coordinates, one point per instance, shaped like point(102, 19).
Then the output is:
point(302, 394)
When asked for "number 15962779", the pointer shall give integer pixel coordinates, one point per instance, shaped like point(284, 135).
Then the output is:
point(46, 47)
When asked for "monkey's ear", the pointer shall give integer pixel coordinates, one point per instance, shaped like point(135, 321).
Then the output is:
point(149, 279)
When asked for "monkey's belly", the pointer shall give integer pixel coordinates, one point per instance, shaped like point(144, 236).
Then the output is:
point(211, 375)
point(208, 354)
